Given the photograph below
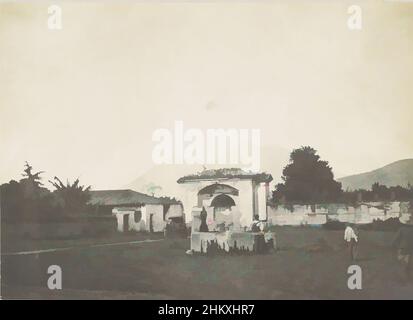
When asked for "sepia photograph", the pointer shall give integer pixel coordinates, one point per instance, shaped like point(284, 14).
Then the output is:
point(229, 150)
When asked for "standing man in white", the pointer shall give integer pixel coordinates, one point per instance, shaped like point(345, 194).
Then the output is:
point(351, 238)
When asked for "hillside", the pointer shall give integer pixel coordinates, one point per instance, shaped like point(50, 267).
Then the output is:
point(393, 174)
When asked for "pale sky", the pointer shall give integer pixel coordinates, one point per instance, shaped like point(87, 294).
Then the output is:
point(83, 101)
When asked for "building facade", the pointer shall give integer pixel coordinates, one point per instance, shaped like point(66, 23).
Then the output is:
point(230, 197)
point(135, 211)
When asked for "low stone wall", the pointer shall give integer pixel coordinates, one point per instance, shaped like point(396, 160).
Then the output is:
point(297, 214)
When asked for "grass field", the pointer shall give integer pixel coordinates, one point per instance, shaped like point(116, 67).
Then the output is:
point(311, 264)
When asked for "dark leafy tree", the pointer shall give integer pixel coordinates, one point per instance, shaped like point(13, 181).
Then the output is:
point(31, 184)
point(34, 177)
point(11, 197)
point(379, 192)
point(72, 198)
point(307, 179)
point(26, 199)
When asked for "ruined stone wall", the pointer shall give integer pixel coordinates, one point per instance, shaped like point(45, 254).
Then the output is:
point(319, 214)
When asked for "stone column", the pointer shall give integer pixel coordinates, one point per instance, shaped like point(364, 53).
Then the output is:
point(262, 201)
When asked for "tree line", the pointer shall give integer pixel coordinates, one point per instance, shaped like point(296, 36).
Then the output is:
point(28, 199)
point(309, 180)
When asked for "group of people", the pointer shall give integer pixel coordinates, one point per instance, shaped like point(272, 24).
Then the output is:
point(267, 240)
point(403, 240)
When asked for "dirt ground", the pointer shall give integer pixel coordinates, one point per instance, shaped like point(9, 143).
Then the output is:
point(311, 263)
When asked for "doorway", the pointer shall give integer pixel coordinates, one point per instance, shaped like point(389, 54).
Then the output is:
point(125, 223)
point(151, 222)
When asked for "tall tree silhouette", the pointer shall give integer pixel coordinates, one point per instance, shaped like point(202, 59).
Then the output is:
point(307, 179)
point(31, 183)
point(34, 177)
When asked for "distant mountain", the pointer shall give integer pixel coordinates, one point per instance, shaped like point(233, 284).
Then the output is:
point(396, 173)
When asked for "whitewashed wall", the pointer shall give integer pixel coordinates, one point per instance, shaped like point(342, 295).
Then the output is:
point(140, 221)
point(364, 213)
point(135, 221)
point(156, 210)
